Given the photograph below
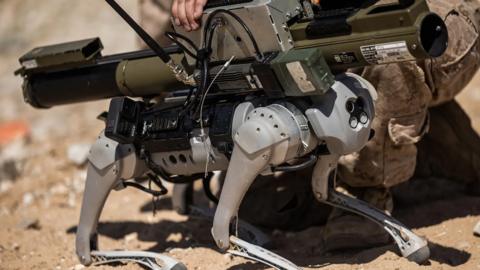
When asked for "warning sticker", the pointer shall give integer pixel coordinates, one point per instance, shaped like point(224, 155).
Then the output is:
point(387, 53)
point(300, 77)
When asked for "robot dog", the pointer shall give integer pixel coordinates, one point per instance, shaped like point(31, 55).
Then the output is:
point(237, 98)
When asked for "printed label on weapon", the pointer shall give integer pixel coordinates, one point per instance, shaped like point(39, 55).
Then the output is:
point(345, 58)
point(387, 53)
point(300, 77)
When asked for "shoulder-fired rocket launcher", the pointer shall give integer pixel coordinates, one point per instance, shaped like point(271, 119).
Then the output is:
point(301, 47)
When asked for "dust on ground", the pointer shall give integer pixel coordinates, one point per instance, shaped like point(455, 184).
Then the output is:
point(40, 192)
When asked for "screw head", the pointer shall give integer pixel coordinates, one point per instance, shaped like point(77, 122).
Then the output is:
point(353, 122)
point(363, 118)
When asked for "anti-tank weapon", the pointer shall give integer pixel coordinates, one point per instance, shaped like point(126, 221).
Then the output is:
point(260, 89)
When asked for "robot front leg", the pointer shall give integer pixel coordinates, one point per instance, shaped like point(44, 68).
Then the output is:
point(269, 136)
point(109, 163)
point(411, 246)
point(243, 170)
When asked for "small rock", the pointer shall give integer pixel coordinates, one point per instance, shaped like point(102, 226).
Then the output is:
point(130, 237)
point(28, 199)
point(174, 237)
point(10, 169)
point(78, 153)
point(476, 230)
point(228, 256)
point(72, 200)
point(15, 246)
point(5, 185)
point(1, 248)
point(59, 189)
point(78, 267)
point(176, 250)
point(29, 224)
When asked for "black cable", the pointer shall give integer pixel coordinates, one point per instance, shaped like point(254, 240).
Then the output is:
point(185, 179)
point(201, 89)
point(175, 36)
point(139, 30)
point(149, 190)
point(293, 168)
point(206, 188)
point(205, 60)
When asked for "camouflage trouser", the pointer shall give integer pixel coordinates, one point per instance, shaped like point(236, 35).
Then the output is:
point(406, 91)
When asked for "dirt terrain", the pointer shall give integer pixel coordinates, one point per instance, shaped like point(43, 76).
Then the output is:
point(41, 188)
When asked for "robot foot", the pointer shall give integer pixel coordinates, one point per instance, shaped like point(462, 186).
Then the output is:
point(252, 252)
point(245, 230)
point(411, 246)
point(150, 260)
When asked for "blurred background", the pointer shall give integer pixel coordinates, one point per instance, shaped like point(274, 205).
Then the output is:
point(43, 153)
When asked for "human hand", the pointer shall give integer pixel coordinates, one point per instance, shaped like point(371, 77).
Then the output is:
point(186, 13)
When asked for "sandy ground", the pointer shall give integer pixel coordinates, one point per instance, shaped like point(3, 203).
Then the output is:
point(45, 188)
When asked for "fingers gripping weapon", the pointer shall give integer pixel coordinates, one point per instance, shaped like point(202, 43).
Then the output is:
point(265, 92)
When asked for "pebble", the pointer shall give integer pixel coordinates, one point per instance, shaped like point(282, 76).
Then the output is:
point(174, 237)
point(476, 230)
point(27, 199)
point(29, 223)
point(228, 256)
point(9, 169)
point(72, 200)
point(5, 185)
point(59, 189)
point(130, 237)
point(78, 267)
point(78, 153)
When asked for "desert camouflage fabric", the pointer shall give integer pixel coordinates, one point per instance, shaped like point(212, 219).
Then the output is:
point(406, 91)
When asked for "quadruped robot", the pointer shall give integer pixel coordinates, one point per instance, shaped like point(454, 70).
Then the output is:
point(260, 89)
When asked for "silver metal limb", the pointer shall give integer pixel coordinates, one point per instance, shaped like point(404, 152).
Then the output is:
point(109, 162)
point(344, 130)
point(410, 245)
point(269, 136)
point(241, 173)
